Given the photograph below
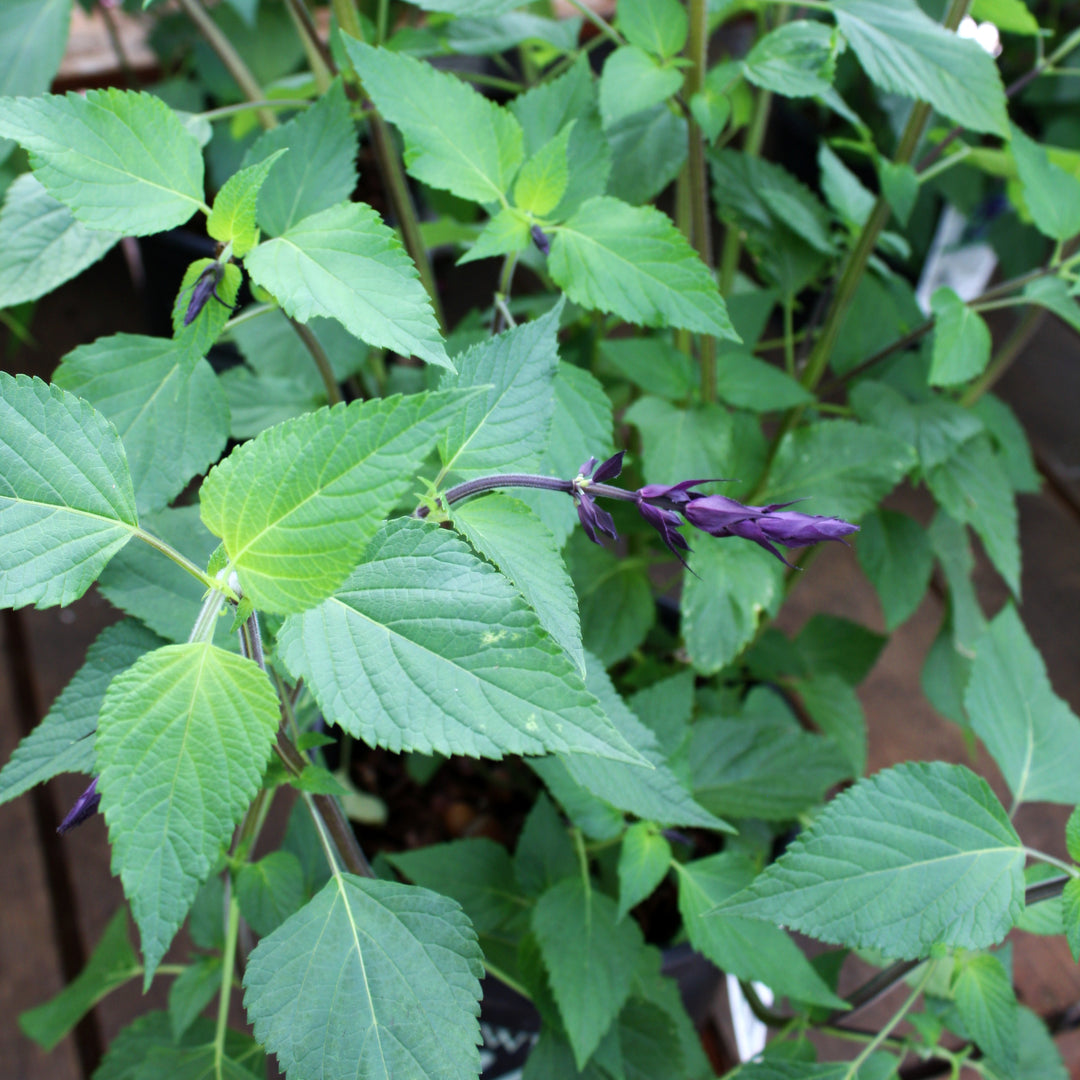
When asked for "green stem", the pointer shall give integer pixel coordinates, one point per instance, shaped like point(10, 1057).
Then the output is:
point(247, 106)
point(599, 22)
point(233, 61)
point(228, 967)
point(583, 863)
point(700, 223)
point(322, 361)
point(511, 86)
point(247, 315)
point(684, 223)
point(886, 1031)
point(171, 553)
point(318, 53)
point(789, 333)
point(1003, 359)
point(381, 20)
point(347, 18)
point(203, 630)
point(1052, 860)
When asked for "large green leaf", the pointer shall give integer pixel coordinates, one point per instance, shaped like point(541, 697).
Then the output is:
point(142, 582)
point(319, 170)
point(918, 855)
point(647, 151)
point(370, 979)
point(344, 263)
point(508, 533)
point(61, 742)
point(745, 948)
point(1030, 732)
point(797, 59)
point(762, 766)
point(644, 861)
point(505, 425)
point(121, 160)
point(590, 959)
point(164, 400)
point(633, 262)
point(1052, 195)
point(905, 52)
point(41, 243)
point(270, 890)
point(679, 443)
point(111, 964)
point(232, 220)
point(183, 738)
point(296, 505)
point(426, 647)
point(66, 500)
point(658, 26)
point(846, 468)
point(987, 1005)
point(632, 81)
point(648, 789)
point(455, 138)
point(1038, 1058)
point(733, 584)
point(894, 552)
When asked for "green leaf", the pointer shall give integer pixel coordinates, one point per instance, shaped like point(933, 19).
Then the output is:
point(120, 160)
point(580, 429)
point(845, 191)
point(677, 443)
point(711, 110)
point(506, 233)
point(165, 402)
point(1030, 732)
point(894, 552)
point(647, 151)
point(590, 958)
point(632, 81)
point(42, 245)
point(761, 766)
point(545, 853)
point(270, 890)
point(1010, 442)
point(344, 263)
point(61, 742)
point(900, 186)
point(541, 184)
point(66, 498)
point(1070, 915)
point(1039, 1056)
point(143, 582)
point(183, 737)
point(511, 536)
point(200, 334)
point(743, 947)
point(793, 1070)
point(949, 539)
point(615, 600)
point(746, 382)
point(665, 708)
point(192, 990)
point(647, 789)
point(33, 35)
point(1072, 835)
point(1011, 16)
point(961, 347)
point(835, 708)
point(830, 644)
point(476, 873)
point(1052, 195)
point(733, 584)
point(972, 487)
point(314, 490)
point(1053, 294)
point(111, 964)
point(906, 52)
point(918, 855)
point(644, 860)
point(546, 109)
point(455, 139)
point(232, 220)
point(652, 363)
point(200, 1063)
point(657, 26)
point(393, 970)
point(797, 59)
point(425, 647)
point(633, 262)
point(502, 428)
point(847, 468)
point(987, 1005)
point(318, 172)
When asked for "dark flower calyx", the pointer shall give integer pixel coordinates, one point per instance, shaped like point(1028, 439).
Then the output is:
point(540, 239)
point(85, 806)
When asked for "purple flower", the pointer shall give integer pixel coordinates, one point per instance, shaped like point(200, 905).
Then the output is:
point(719, 515)
point(85, 806)
point(205, 287)
point(593, 518)
point(540, 239)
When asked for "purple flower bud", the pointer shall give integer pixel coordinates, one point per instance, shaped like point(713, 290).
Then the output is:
point(608, 470)
point(715, 513)
point(205, 287)
point(666, 523)
point(540, 239)
point(85, 806)
point(593, 518)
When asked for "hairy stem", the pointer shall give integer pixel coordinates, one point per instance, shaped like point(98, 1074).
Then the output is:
point(322, 361)
point(228, 967)
point(182, 561)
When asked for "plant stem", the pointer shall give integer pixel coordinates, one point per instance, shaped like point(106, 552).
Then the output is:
point(322, 361)
point(700, 223)
point(1003, 359)
point(247, 106)
point(203, 630)
point(320, 59)
point(1052, 860)
point(247, 315)
point(599, 22)
point(171, 553)
point(884, 1033)
point(233, 61)
point(228, 966)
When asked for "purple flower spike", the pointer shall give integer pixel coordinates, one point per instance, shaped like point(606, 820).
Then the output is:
point(666, 523)
point(85, 806)
point(593, 518)
point(608, 470)
point(540, 239)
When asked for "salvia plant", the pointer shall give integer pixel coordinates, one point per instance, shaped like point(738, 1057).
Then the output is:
point(381, 533)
